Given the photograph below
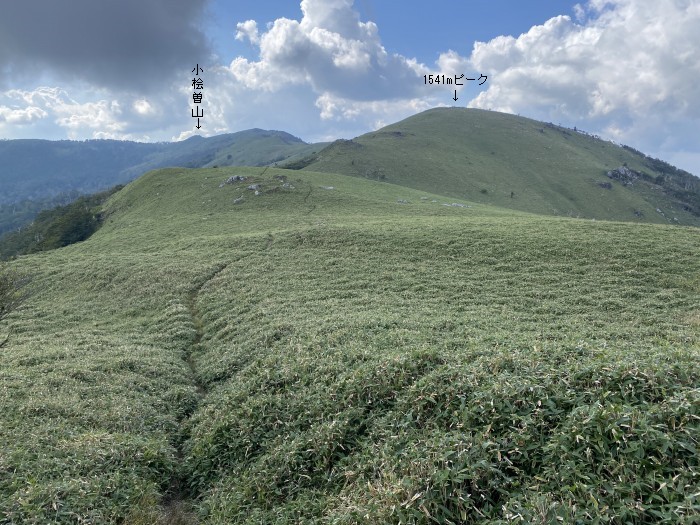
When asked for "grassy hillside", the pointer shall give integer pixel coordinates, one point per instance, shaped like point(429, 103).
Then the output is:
point(37, 174)
point(253, 147)
point(515, 162)
point(362, 354)
point(258, 147)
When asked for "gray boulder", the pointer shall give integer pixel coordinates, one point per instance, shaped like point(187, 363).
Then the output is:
point(233, 180)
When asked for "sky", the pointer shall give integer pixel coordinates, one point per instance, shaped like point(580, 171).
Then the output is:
point(627, 70)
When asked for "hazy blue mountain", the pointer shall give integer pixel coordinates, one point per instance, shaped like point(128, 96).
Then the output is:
point(38, 174)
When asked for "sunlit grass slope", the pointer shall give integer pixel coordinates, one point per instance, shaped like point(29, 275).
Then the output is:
point(509, 161)
point(335, 356)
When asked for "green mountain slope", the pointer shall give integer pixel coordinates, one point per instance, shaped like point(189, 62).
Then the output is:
point(257, 147)
point(57, 227)
point(518, 163)
point(39, 168)
point(253, 147)
point(37, 173)
point(368, 353)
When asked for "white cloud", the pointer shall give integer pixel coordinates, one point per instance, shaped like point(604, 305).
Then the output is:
point(41, 96)
point(452, 63)
point(101, 118)
point(331, 51)
point(624, 69)
point(248, 30)
point(143, 107)
point(629, 69)
point(22, 115)
point(325, 75)
point(384, 112)
point(335, 15)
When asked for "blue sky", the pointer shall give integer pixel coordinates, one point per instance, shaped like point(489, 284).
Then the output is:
point(627, 70)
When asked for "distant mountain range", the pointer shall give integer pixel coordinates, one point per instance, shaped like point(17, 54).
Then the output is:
point(482, 156)
point(37, 174)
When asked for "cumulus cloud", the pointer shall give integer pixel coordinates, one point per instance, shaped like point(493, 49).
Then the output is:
point(627, 67)
point(633, 58)
point(143, 107)
point(324, 75)
point(103, 117)
point(100, 116)
point(382, 112)
point(120, 44)
point(248, 30)
point(21, 115)
point(331, 50)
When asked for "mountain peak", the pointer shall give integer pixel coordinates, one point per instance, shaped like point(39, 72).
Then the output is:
point(516, 162)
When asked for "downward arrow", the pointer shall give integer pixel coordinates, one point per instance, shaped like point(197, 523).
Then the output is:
point(198, 126)
point(455, 98)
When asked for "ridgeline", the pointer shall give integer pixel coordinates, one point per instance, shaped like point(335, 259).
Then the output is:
point(263, 345)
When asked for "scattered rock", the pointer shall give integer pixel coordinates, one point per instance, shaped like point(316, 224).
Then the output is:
point(424, 198)
point(254, 187)
point(258, 192)
point(233, 180)
point(327, 187)
point(605, 185)
point(403, 201)
point(239, 200)
point(456, 205)
point(287, 186)
point(282, 178)
point(624, 175)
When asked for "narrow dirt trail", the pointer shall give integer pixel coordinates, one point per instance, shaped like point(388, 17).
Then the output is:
point(177, 506)
point(198, 325)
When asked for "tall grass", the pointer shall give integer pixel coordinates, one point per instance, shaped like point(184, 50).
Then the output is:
point(333, 356)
